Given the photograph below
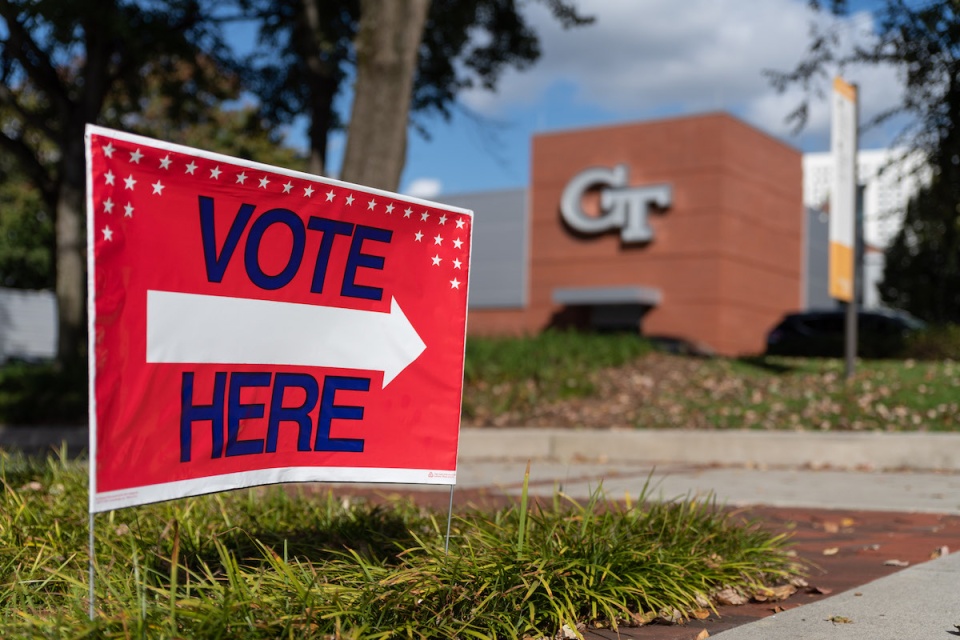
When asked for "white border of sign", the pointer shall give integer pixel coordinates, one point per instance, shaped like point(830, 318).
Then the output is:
point(200, 486)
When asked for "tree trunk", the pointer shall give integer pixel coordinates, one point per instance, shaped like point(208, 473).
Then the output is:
point(71, 250)
point(387, 46)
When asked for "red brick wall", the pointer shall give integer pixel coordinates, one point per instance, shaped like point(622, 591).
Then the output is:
point(726, 256)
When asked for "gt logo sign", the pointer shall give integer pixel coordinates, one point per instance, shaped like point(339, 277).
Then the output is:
point(622, 207)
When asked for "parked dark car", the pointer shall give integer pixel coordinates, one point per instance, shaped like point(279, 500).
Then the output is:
point(880, 333)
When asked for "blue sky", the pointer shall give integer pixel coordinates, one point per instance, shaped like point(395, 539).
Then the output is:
point(641, 59)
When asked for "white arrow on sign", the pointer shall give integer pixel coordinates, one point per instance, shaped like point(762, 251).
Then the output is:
point(194, 328)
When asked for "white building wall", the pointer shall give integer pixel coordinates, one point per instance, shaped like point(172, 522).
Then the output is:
point(890, 178)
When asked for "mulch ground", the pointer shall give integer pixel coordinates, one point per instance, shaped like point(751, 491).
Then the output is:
point(858, 544)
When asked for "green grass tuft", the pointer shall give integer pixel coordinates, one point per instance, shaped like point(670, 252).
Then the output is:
point(276, 563)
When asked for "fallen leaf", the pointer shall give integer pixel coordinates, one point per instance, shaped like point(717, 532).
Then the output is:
point(703, 635)
point(832, 551)
point(896, 563)
point(858, 593)
point(847, 522)
point(939, 552)
point(777, 609)
point(700, 614)
point(640, 619)
point(831, 527)
point(839, 620)
point(823, 591)
point(871, 547)
point(730, 596)
point(774, 594)
point(800, 583)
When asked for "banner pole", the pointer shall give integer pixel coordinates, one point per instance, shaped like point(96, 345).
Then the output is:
point(446, 543)
point(90, 566)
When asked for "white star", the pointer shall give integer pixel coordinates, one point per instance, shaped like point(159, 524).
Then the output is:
point(330, 195)
point(424, 216)
point(371, 205)
point(307, 192)
point(459, 223)
point(107, 233)
point(390, 208)
point(419, 236)
point(456, 263)
point(241, 178)
point(438, 239)
point(215, 172)
point(264, 181)
point(157, 188)
point(436, 260)
point(457, 243)
point(191, 167)
point(108, 176)
point(407, 212)
point(108, 205)
point(443, 219)
point(350, 199)
point(135, 156)
point(454, 284)
point(108, 150)
point(128, 182)
point(128, 210)
point(287, 187)
point(165, 162)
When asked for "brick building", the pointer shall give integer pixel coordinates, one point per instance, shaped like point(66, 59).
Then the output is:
point(691, 228)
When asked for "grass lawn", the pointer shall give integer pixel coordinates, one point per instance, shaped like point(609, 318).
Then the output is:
point(566, 380)
point(276, 563)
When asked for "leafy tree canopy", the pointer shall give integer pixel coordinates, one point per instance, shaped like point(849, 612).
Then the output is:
point(307, 55)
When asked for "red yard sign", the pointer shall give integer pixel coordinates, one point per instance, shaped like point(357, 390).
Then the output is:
point(251, 325)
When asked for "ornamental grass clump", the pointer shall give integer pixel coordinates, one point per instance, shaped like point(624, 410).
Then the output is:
point(286, 562)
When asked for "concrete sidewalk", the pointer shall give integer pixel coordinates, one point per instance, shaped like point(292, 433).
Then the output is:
point(918, 603)
point(877, 472)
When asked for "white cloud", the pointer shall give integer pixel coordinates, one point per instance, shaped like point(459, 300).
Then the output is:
point(641, 59)
point(424, 188)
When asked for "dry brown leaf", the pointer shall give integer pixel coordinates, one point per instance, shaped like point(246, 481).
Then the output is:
point(832, 551)
point(939, 552)
point(775, 594)
point(777, 609)
point(823, 591)
point(896, 563)
point(831, 527)
point(730, 596)
point(800, 583)
point(703, 635)
point(839, 620)
point(847, 522)
point(640, 619)
point(700, 614)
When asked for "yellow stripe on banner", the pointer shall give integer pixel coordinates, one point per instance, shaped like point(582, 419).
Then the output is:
point(845, 89)
point(841, 272)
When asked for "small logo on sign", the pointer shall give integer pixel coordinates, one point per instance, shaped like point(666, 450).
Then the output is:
point(621, 207)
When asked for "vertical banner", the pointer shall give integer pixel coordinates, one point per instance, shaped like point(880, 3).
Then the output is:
point(253, 325)
point(843, 195)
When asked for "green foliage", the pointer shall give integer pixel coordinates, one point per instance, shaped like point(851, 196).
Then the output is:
point(922, 270)
point(521, 372)
point(275, 563)
point(307, 55)
point(26, 236)
point(33, 394)
point(935, 343)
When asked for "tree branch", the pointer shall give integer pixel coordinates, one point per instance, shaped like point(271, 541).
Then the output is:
point(24, 48)
point(27, 158)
